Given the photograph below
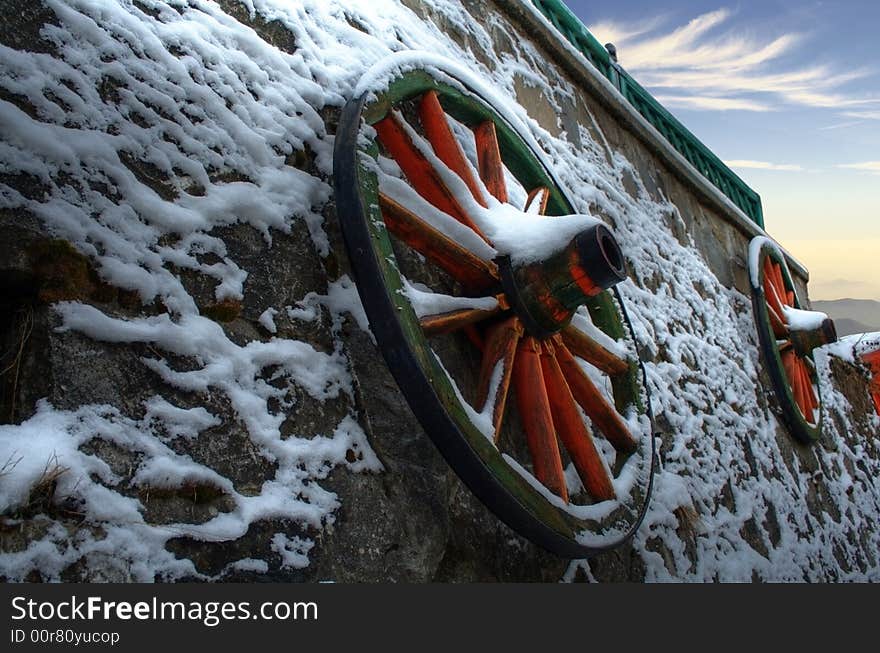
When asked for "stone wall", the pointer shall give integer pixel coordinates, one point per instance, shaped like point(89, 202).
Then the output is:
point(409, 518)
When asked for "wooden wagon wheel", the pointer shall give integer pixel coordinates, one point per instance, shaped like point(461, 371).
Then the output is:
point(788, 336)
point(500, 360)
point(871, 358)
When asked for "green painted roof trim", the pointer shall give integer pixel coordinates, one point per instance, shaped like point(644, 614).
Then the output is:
point(688, 145)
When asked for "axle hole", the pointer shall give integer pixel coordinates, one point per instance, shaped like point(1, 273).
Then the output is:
point(611, 251)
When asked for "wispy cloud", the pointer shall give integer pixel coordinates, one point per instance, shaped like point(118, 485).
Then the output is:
point(865, 166)
point(842, 125)
point(620, 32)
point(711, 63)
point(863, 115)
point(712, 103)
point(688, 46)
point(764, 165)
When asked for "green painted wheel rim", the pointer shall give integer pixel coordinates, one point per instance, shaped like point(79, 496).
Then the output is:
point(489, 473)
point(792, 415)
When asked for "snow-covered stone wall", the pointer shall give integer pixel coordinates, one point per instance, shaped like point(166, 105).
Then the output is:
point(189, 386)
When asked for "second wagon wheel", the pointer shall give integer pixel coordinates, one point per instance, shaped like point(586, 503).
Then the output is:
point(788, 336)
point(493, 316)
point(869, 353)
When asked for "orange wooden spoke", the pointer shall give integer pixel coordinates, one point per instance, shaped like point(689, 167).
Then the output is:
point(418, 170)
point(445, 145)
point(811, 395)
point(768, 273)
point(775, 306)
point(573, 432)
point(435, 325)
point(805, 388)
point(500, 348)
point(772, 293)
point(540, 194)
point(787, 294)
point(601, 412)
point(790, 362)
point(534, 411)
point(873, 361)
point(875, 391)
point(788, 358)
point(474, 336)
point(770, 276)
point(461, 264)
point(500, 345)
point(489, 160)
point(801, 392)
point(776, 322)
point(580, 344)
point(809, 391)
point(776, 278)
point(875, 367)
point(770, 283)
point(876, 396)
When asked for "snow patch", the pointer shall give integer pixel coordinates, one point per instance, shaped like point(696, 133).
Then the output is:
point(210, 114)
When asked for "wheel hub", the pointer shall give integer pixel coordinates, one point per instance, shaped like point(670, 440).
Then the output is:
point(805, 340)
point(546, 294)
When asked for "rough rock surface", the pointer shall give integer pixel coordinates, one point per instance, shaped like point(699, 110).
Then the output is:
point(380, 504)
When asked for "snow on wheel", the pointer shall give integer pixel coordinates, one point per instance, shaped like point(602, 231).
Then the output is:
point(490, 301)
point(788, 336)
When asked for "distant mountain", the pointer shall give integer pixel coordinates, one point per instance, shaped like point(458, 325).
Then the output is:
point(847, 327)
point(851, 315)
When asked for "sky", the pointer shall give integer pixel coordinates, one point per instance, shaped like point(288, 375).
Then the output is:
point(787, 94)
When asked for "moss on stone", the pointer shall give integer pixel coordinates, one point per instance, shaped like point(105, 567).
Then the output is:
point(62, 273)
point(197, 493)
point(223, 311)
